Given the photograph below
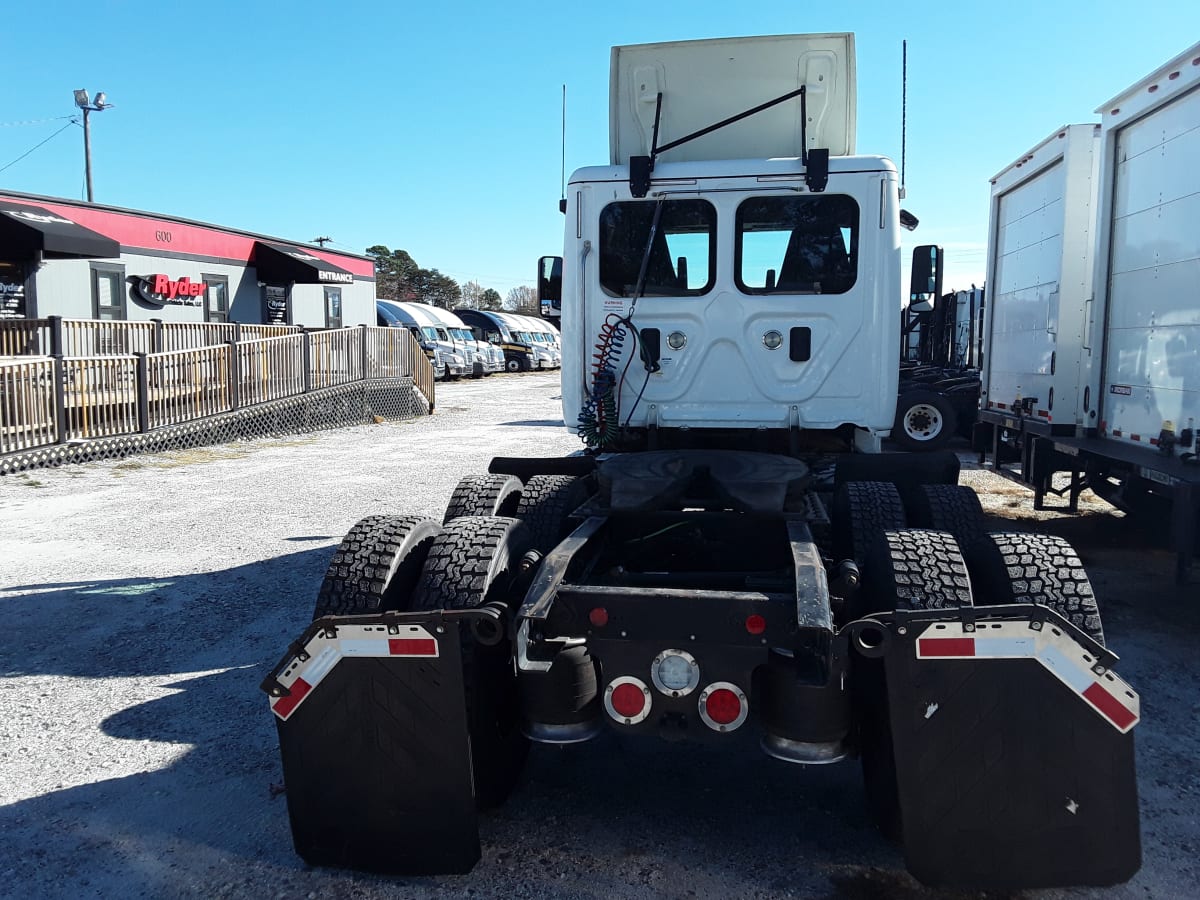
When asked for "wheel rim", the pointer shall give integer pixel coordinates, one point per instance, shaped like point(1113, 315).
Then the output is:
point(923, 422)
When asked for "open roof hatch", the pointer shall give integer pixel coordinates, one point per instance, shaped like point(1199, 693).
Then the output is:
point(704, 82)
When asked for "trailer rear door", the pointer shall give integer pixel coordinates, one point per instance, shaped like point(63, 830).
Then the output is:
point(1152, 347)
point(1039, 276)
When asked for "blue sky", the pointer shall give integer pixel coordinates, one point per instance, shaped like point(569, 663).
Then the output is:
point(435, 127)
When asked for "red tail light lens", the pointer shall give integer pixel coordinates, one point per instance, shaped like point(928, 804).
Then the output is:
point(723, 706)
point(627, 700)
point(755, 624)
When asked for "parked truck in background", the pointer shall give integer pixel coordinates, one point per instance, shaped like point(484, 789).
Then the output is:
point(448, 355)
point(1092, 365)
point(940, 342)
point(482, 358)
point(498, 329)
point(731, 553)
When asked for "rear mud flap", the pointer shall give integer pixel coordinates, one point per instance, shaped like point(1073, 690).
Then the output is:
point(376, 755)
point(1014, 756)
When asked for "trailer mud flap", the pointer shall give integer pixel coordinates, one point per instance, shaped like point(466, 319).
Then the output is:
point(376, 755)
point(1014, 756)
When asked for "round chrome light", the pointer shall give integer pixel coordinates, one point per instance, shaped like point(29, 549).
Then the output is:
point(723, 706)
point(675, 673)
point(627, 699)
point(772, 340)
point(676, 340)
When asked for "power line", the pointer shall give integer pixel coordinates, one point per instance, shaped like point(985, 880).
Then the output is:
point(33, 121)
point(73, 121)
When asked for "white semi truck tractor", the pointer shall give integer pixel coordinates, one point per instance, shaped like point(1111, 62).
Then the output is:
point(729, 552)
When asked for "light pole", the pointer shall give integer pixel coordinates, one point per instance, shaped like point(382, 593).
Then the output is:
point(84, 102)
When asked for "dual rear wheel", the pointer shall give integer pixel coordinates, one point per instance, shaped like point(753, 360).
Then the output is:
point(411, 564)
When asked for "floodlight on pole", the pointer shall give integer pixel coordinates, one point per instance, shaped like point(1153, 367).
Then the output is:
point(84, 102)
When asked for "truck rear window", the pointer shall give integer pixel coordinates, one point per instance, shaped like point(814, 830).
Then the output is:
point(682, 256)
point(797, 245)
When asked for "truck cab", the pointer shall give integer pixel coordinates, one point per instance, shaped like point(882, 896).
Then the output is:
point(738, 284)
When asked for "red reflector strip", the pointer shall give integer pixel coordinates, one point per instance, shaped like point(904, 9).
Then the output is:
point(946, 647)
point(1043, 413)
point(1109, 706)
point(284, 705)
point(412, 646)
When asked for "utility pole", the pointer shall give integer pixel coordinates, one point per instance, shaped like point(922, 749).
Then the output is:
point(84, 102)
point(321, 240)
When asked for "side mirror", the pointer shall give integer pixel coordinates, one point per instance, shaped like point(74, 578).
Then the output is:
point(926, 277)
point(550, 269)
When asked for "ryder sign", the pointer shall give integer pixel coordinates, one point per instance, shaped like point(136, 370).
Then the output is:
point(160, 290)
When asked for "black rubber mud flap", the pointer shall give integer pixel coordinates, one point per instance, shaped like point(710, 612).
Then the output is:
point(376, 756)
point(1008, 775)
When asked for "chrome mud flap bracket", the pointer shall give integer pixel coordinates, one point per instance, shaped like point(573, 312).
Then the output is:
point(372, 724)
point(1013, 748)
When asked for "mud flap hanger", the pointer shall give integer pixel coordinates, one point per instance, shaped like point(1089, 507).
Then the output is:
point(971, 619)
point(488, 625)
point(816, 162)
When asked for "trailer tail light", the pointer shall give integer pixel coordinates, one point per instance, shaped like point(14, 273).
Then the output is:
point(755, 624)
point(627, 699)
point(598, 617)
point(723, 706)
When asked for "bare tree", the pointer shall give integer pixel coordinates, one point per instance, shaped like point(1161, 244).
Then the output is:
point(472, 291)
point(522, 300)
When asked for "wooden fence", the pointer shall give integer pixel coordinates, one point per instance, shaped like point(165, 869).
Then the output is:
point(45, 400)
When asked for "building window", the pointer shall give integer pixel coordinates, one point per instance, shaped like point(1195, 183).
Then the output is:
point(108, 292)
point(333, 307)
point(216, 298)
point(681, 258)
point(797, 245)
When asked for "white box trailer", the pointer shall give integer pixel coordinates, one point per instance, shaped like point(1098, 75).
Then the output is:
point(1128, 419)
point(1148, 280)
point(1039, 275)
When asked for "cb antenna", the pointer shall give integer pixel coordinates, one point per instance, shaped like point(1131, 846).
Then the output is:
point(562, 197)
point(903, 111)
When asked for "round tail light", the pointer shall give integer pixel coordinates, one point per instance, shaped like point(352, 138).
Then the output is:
point(723, 706)
point(627, 699)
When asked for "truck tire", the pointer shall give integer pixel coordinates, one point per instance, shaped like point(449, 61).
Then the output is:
point(546, 504)
point(948, 507)
point(484, 495)
point(915, 569)
point(861, 510)
point(472, 562)
point(912, 570)
point(1010, 567)
point(512, 364)
point(376, 566)
point(925, 420)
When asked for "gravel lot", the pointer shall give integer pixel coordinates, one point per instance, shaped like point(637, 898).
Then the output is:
point(146, 598)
